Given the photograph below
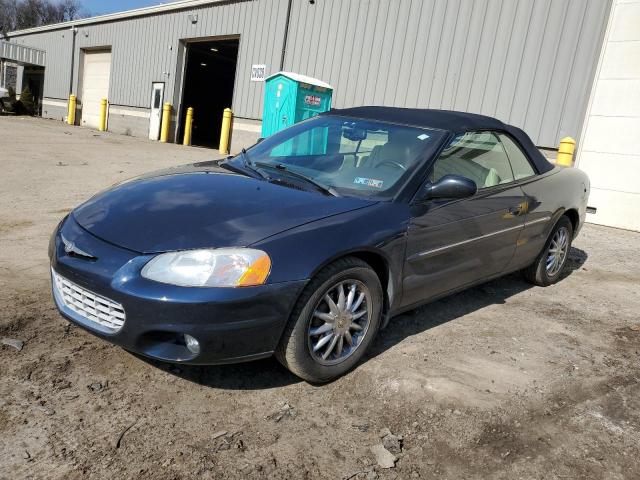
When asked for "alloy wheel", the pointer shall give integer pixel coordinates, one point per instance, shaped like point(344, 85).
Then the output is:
point(340, 322)
point(557, 252)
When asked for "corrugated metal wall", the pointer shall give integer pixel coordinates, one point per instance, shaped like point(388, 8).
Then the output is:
point(146, 49)
point(528, 62)
point(57, 61)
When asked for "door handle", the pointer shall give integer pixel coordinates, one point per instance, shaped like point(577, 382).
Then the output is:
point(519, 209)
point(516, 210)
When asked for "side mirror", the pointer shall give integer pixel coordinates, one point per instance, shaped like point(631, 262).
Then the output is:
point(449, 186)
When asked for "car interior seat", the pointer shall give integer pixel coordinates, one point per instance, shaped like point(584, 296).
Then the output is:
point(400, 148)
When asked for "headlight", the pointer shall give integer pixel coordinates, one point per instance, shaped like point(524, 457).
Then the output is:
point(222, 267)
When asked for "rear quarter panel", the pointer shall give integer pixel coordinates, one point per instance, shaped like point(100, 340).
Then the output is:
point(549, 196)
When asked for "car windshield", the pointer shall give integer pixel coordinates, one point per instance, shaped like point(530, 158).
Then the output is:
point(347, 155)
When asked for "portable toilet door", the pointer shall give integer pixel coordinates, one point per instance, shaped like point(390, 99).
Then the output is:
point(291, 98)
point(312, 100)
point(279, 105)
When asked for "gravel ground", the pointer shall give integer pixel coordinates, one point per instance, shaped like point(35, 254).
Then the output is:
point(501, 381)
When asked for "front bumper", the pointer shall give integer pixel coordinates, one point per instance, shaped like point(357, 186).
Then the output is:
point(230, 324)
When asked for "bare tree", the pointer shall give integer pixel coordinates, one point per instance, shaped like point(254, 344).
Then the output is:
point(8, 15)
point(19, 14)
point(71, 10)
point(29, 14)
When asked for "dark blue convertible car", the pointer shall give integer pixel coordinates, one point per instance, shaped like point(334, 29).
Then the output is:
point(306, 244)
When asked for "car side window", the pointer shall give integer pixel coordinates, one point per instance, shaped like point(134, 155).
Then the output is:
point(519, 162)
point(478, 156)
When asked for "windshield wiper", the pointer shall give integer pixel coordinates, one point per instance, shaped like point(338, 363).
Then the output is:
point(282, 168)
point(247, 164)
point(250, 165)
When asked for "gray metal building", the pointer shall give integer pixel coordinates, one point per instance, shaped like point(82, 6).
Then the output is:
point(530, 63)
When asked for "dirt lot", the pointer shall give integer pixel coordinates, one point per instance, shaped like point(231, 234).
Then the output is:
point(501, 381)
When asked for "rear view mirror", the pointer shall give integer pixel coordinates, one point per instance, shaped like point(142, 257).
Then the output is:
point(449, 186)
point(354, 134)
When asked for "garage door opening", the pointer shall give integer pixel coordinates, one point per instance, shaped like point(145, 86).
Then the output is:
point(34, 79)
point(208, 87)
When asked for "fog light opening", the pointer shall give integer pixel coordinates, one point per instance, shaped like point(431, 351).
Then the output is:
point(192, 344)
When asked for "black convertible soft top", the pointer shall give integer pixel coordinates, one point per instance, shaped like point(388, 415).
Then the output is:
point(451, 121)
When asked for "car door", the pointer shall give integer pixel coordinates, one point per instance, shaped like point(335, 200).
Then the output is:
point(453, 243)
point(539, 211)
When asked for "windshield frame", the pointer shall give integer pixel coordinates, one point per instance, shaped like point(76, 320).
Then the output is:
point(401, 189)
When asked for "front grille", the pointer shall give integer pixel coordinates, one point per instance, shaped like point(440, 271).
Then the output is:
point(88, 305)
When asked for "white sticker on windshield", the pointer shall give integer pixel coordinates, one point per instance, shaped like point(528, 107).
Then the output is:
point(369, 182)
point(424, 136)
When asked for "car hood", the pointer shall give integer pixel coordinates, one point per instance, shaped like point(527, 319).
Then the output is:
point(202, 206)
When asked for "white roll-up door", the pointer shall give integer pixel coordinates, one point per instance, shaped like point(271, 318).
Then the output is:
point(95, 85)
point(609, 148)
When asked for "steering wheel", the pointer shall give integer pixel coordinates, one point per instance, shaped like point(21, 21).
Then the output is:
point(393, 164)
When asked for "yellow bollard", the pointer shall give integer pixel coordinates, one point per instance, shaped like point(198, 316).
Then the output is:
point(226, 130)
point(166, 118)
point(187, 127)
point(565, 152)
point(71, 113)
point(102, 123)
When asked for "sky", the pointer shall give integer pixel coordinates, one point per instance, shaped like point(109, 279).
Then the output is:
point(99, 7)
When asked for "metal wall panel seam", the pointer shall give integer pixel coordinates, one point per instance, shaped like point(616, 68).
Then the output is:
point(344, 51)
point(374, 68)
point(591, 77)
point(561, 41)
point(259, 17)
point(453, 41)
point(348, 57)
point(425, 104)
point(445, 35)
point(338, 46)
point(535, 45)
point(249, 48)
point(454, 96)
point(310, 47)
point(574, 57)
point(537, 72)
point(327, 40)
point(506, 56)
point(410, 26)
point(396, 53)
point(365, 37)
point(415, 86)
point(524, 46)
point(390, 69)
point(294, 45)
point(479, 50)
point(492, 49)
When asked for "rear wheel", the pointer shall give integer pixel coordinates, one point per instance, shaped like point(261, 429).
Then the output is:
point(549, 265)
point(333, 322)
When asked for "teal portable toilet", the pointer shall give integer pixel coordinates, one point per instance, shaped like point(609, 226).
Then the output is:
point(290, 98)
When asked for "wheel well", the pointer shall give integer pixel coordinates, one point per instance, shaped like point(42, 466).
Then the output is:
point(379, 265)
point(572, 214)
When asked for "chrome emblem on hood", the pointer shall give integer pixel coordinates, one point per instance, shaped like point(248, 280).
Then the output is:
point(71, 249)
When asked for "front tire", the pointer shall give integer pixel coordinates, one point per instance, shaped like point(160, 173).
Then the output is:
point(549, 265)
point(333, 323)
